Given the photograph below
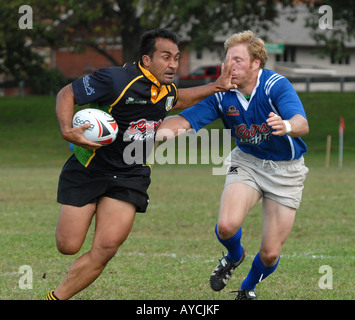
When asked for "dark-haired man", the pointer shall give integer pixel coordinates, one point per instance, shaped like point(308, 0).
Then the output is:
point(103, 180)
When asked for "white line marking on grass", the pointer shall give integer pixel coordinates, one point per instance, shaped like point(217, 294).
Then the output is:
point(203, 259)
point(196, 258)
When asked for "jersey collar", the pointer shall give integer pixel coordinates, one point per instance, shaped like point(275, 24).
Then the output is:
point(149, 75)
point(157, 91)
point(241, 97)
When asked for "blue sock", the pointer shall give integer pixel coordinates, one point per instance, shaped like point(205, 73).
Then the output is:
point(257, 273)
point(235, 250)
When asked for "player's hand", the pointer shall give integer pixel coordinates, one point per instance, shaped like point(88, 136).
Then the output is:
point(224, 82)
point(76, 136)
point(275, 122)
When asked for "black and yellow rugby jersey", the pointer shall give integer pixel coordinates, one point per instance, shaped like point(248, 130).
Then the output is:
point(138, 103)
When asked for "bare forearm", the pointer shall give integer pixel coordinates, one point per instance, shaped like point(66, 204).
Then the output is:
point(190, 96)
point(298, 125)
point(171, 127)
point(65, 110)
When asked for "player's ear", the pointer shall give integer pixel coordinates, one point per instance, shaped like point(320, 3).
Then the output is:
point(146, 61)
point(256, 64)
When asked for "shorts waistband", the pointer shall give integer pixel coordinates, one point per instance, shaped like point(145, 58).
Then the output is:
point(263, 162)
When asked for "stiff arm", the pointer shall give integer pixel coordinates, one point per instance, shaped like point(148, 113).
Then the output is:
point(171, 127)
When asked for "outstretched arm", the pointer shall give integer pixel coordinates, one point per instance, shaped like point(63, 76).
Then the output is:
point(191, 96)
point(171, 127)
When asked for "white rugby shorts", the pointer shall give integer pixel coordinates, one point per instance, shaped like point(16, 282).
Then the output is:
point(281, 181)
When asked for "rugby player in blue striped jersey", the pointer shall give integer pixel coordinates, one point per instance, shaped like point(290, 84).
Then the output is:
point(267, 120)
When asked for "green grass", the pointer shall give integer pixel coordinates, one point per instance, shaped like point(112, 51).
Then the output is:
point(172, 249)
point(323, 111)
point(31, 133)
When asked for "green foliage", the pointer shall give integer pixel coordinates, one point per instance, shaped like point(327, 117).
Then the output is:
point(79, 24)
point(47, 81)
point(333, 41)
point(18, 59)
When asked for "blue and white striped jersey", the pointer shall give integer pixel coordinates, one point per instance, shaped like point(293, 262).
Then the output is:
point(247, 119)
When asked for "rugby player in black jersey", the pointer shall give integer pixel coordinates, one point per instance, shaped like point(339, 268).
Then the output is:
point(108, 181)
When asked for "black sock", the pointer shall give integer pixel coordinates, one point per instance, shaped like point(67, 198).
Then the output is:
point(51, 296)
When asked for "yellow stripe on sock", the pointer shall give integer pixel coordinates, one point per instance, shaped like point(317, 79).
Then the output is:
point(50, 296)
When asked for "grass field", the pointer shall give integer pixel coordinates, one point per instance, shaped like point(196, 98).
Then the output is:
point(172, 249)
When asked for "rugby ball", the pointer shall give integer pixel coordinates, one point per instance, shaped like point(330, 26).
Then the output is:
point(103, 127)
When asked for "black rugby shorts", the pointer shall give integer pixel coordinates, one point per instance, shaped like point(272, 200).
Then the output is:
point(79, 186)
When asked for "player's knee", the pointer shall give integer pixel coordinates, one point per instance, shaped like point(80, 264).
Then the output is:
point(105, 251)
point(226, 230)
point(67, 248)
point(269, 256)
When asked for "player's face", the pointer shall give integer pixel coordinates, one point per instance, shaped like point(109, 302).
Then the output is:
point(165, 61)
point(245, 69)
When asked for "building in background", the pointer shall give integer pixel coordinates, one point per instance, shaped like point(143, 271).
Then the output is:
point(291, 48)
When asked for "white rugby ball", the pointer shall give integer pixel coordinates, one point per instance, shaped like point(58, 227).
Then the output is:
point(103, 127)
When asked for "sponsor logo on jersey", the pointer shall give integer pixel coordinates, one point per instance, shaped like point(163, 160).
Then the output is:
point(232, 111)
point(253, 135)
point(131, 100)
point(169, 103)
point(141, 130)
point(86, 82)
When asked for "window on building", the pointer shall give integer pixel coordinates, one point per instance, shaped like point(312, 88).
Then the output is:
point(289, 55)
point(199, 54)
point(339, 59)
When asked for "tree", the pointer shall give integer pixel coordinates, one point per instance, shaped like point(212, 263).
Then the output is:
point(17, 57)
point(15, 50)
point(79, 23)
point(332, 24)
